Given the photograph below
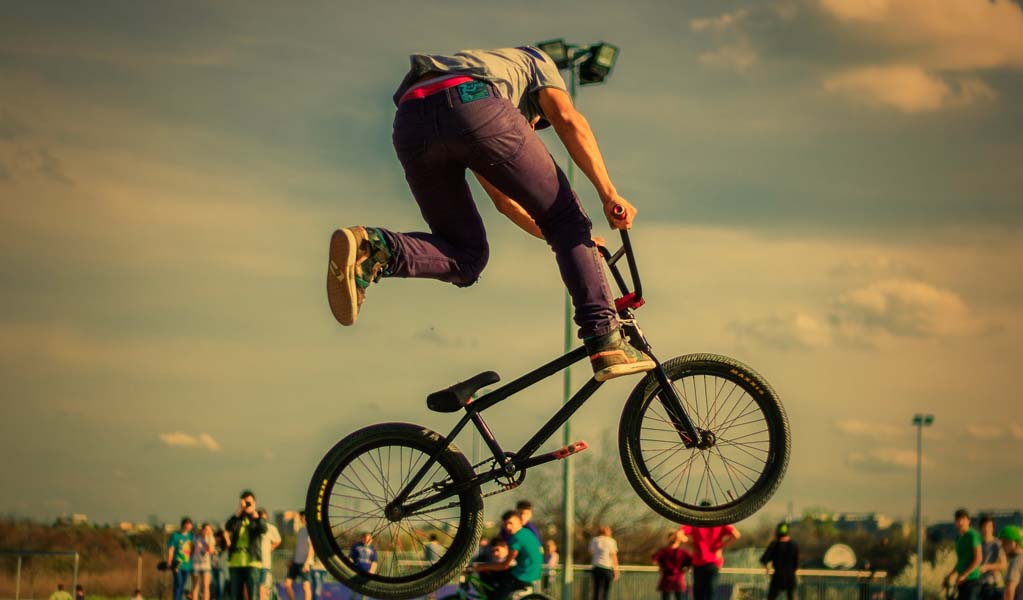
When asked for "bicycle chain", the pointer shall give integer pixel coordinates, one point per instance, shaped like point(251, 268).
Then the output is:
point(504, 487)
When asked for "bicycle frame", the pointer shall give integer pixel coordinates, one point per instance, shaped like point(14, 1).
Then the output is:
point(511, 464)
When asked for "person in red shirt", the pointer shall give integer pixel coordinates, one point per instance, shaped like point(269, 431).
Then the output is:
point(706, 545)
point(673, 561)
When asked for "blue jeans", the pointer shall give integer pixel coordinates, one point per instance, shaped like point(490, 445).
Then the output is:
point(317, 577)
point(180, 580)
point(245, 578)
point(437, 138)
point(217, 584)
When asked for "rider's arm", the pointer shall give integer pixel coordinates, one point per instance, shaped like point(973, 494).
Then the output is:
point(574, 131)
point(510, 208)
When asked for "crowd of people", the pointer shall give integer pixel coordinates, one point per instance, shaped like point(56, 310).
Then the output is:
point(988, 567)
point(235, 562)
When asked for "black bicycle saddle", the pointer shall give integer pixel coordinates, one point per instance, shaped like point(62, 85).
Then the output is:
point(455, 397)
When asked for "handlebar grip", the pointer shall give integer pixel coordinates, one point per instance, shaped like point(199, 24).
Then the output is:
point(618, 211)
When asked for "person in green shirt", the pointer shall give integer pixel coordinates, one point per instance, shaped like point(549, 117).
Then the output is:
point(524, 562)
point(60, 594)
point(244, 555)
point(966, 573)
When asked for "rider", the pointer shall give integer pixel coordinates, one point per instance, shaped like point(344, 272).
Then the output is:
point(521, 567)
point(478, 110)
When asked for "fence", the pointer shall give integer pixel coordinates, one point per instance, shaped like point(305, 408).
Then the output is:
point(20, 555)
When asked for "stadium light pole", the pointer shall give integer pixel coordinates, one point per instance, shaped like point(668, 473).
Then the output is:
point(920, 421)
point(587, 64)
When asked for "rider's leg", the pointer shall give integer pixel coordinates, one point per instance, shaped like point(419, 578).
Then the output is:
point(532, 178)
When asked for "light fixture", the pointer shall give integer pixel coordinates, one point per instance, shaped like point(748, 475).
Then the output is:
point(598, 66)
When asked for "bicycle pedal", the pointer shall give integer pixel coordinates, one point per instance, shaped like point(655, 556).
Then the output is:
point(571, 449)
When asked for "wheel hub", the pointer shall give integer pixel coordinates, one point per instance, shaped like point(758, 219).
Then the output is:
point(707, 439)
point(393, 513)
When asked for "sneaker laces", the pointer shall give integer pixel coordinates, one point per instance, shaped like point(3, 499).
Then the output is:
point(375, 265)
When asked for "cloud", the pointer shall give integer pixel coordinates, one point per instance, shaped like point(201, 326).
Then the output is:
point(884, 459)
point(985, 432)
point(908, 88)
point(737, 53)
point(905, 308)
point(950, 35)
point(870, 429)
point(180, 439)
point(791, 331)
point(25, 161)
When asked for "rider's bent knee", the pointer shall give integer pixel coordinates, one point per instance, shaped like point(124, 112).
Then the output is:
point(470, 270)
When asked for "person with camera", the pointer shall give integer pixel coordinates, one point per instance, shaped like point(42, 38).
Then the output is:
point(244, 530)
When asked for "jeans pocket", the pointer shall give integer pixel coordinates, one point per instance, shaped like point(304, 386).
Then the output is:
point(494, 133)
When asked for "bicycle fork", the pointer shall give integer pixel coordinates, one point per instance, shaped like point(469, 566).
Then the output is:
point(668, 396)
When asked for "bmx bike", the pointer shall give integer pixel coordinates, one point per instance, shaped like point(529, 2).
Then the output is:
point(472, 587)
point(703, 440)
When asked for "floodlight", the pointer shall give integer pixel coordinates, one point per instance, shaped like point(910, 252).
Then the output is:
point(558, 51)
point(598, 66)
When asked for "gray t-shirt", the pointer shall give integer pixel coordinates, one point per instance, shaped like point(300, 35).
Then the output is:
point(518, 73)
point(991, 553)
point(1015, 573)
point(301, 547)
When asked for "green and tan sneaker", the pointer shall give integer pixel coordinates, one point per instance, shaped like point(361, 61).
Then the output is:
point(612, 356)
point(358, 257)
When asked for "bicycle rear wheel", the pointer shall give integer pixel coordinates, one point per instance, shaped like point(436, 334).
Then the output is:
point(350, 490)
point(744, 450)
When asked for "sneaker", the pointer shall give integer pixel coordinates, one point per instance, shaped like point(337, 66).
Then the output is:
point(612, 356)
point(358, 257)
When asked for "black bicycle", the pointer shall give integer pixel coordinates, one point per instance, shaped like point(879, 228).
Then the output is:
point(703, 441)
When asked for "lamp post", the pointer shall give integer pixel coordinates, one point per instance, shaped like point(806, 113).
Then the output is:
point(920, 421)
point(587, 65)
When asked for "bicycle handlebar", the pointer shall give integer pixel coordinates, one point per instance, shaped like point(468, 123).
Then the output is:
point(632, 299)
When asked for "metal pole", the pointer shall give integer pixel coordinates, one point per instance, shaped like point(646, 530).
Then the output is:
point(17, 581)
point(567, 466)
point(919, 516)
point(138, 575)
point(74, 578)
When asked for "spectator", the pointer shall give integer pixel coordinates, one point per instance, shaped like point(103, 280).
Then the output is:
point(604, 550)
point(301, 563)
point(783, 555)
point(707, 545)
point(1012, 539)
point(672, 561)
point(525, 508)
point(202, 562)
point(268, 542)
point(179, 556)
point(551, 560)
point(137, 595)
point(432, 551)
point(217, 579)
point(993, 560)
point(318, 572)
point(498, 554)
point(523, 564)
point(969, 555)
point(60, 594)
point(79, 592)
point(244, 555)
point(364, 555)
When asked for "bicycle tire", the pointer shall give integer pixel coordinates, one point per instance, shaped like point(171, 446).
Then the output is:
point(536, 596)
point(380, 443)
point(638, 461)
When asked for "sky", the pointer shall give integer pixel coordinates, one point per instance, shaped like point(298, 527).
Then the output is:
point(828, 191)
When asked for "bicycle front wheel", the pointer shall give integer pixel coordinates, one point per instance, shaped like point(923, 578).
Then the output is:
point(416, 553)
point(743, 453)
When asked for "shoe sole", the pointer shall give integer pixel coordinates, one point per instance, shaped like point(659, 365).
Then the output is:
point(624, 369)
point(341, 292)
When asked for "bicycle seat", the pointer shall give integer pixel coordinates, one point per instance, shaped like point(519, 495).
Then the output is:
point(455, 397)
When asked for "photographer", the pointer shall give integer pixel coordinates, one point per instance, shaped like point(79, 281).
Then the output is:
point(244, 555)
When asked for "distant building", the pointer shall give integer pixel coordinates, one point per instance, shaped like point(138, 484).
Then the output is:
point(864, 522)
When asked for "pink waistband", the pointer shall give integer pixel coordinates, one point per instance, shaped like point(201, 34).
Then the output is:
point(433, 88)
